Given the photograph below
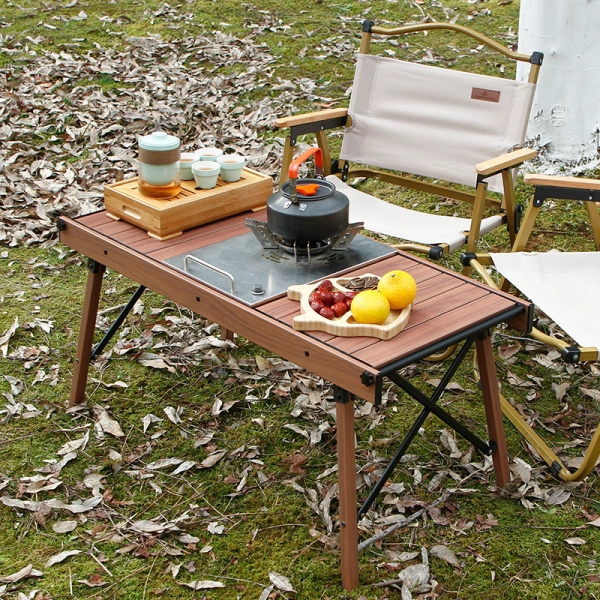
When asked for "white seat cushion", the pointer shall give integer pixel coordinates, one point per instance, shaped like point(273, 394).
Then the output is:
point(388, 219)
point(564, 285)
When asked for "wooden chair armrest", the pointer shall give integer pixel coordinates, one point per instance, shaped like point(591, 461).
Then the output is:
point(505, 161)
point(562, 182)
point(313, 117)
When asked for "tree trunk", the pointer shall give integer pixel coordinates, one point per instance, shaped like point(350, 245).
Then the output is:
point(565, 119)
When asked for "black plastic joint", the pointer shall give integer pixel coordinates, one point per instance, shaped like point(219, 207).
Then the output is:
point(367, 379)
point(345, 172)
point(92, 265)
point(519, 209)
point(555, 468)
point(571, 354)
point(436, 252)
point(483, 334)
point(341, 395)
point(492, 447)
point(537, 58)
point(61, 225)
point(466, 258)
point(367, 26)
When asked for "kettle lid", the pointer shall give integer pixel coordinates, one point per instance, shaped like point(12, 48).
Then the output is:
point(308, 189)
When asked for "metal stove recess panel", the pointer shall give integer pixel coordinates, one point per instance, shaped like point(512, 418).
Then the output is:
point(243, 269)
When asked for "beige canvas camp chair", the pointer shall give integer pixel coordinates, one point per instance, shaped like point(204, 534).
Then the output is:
point(563, 285)
point(423, 127)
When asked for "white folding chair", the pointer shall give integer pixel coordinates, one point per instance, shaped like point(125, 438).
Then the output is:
point(563, 285)
point(432, 129)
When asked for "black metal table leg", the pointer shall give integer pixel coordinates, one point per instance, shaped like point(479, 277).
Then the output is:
point(430, 406)
point(117, 323)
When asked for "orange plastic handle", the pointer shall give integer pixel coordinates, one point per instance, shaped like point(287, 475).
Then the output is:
point(293, 170)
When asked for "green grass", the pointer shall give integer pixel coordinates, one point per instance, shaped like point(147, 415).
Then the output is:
point(267, 523)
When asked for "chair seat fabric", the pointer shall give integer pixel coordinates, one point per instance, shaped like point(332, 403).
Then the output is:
point(385, 218)
point(564, 285)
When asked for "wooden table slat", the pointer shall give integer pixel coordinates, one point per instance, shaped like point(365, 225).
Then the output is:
point(434, 330)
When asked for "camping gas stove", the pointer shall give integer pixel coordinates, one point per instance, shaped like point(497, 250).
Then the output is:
point(303, 250)
point(254, 269)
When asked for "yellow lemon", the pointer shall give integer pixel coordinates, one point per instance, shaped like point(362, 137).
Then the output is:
point(369, 306)
point(399, 287)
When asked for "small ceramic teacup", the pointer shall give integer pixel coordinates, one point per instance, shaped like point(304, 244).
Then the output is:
point(185, 165)
point(206, 174)
point(232, 166)
point(210, 154)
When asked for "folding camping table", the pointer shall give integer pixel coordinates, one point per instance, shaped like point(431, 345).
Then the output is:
point(449, 309)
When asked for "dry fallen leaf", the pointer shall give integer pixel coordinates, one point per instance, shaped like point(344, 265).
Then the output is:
point(281, 582)
point(215, 528)
point(93, 580)
point(109, 425)
point(173, 414)
point(163, 463)
point(146, 526)
point(5, 337)
point(592, 393)
point(78, 444)
point(27, 571)
point(184, 466)
point(575, 541)
point(57, 558)
point(85, 506)
point(212, 459)
point(202, 584)
point(64, 526)
point(443, 552)
point(150, 419)
point(296, 461)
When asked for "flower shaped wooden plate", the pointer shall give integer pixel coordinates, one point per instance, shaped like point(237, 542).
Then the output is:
point(345, 326)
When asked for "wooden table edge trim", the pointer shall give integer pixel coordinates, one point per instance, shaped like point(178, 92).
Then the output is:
point(305, 351)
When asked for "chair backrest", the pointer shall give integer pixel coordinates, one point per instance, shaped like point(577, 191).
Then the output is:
point(433, 121)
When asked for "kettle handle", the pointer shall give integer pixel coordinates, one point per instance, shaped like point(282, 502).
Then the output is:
point(294, 166)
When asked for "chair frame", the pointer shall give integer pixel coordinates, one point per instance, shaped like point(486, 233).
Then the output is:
point(565, 188)
point(319, 122)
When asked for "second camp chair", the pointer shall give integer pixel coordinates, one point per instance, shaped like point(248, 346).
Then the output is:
point(428, 128)
point(565, 286)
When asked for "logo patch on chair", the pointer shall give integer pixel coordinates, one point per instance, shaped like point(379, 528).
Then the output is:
point(487, 95)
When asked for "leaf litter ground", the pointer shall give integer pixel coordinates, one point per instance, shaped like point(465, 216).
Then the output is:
point(188, 441)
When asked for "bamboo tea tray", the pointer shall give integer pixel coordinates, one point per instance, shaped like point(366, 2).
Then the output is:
point(166, 219)
point(344, 326)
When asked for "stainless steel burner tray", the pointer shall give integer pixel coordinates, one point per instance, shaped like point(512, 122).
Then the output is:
point(243, 269)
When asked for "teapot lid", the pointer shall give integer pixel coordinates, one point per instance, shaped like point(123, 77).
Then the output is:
point(159, 140)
